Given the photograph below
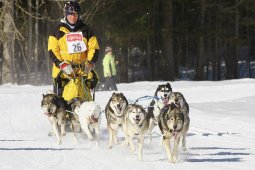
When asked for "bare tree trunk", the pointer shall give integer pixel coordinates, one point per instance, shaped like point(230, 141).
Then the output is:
point(30, 41)
point(201, 54)
point(167, 39)
point(8, 43)
point(36, 40)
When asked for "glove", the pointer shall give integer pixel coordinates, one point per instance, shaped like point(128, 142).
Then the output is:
point(89, 66)
point(66, 68)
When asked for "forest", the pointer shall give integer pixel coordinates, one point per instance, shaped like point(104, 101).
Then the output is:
point(152, 39)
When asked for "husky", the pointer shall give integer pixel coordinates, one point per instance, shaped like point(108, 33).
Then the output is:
point(73, 105)
point(161, 95)
point(89, 115)
point(178, 99)
point(54, 107)
point(154, 113)
point(171, 121)
point(136, 123)
point(163, 92)
point(114, 112)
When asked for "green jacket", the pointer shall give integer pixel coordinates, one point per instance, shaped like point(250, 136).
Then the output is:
point(109, 65)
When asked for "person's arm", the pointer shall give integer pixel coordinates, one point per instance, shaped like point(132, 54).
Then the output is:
point(106, 65)
point(93, 47)
point(113, 66)
point(53, 49)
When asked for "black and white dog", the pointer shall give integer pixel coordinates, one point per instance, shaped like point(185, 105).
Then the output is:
point(161, 95)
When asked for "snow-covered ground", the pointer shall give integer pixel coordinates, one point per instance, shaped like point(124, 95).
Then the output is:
point(221, 134)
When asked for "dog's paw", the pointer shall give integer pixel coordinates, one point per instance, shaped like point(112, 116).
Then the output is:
point(110, 146)
point(59, 142)
point(183, 148)
point(124, 144)
point(91, 138)
point(116, 142)
point(174, 159)
point(50, 133)
point(132, 151)
point(63, 133)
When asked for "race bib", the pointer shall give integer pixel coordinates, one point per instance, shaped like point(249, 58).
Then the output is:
point(75, 43)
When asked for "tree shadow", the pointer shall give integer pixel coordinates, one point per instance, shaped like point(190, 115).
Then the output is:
point(214, 160)
point(40, 149)
point(229, 152)
point(14, 140)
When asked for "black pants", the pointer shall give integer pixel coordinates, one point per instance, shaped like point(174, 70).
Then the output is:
point(110, 83)
point(58, 85)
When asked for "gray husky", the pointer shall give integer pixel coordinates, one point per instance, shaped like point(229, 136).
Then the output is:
point(136, 123)
point(54, 107)
point(178, 99)
point(170, 121)
point(114, 112)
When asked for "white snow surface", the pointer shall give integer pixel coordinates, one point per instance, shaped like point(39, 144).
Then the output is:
point(221, 134)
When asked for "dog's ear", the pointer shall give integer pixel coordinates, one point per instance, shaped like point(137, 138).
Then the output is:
point(169, 86)
point(156, 92)
point(124, 98)
point(172, 106)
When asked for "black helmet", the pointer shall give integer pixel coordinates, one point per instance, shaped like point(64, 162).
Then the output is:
point(72, 7)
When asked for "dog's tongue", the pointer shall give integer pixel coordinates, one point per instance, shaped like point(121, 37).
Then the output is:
point(94, 119)
point(137, 121)
point(165, 101)
point(47, 114)
point(175, 134)
point(119, 108)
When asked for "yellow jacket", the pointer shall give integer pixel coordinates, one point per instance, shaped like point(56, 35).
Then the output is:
point(58, 50)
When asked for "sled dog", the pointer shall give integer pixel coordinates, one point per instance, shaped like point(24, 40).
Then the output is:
point(136, 123)
point(154, 113)
point(163, 92)
point(161, 99)
point(178, 99)
point(89, 115)
point(54, 107)
point(114, 112)
point(73, 105)
point(170, 123)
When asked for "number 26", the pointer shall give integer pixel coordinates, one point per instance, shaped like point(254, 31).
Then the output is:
point(77, 47)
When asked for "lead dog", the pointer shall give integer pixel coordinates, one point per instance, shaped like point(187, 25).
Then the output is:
point(89, 115)
point(114, 112)
point(161, 95)
point(178, 99)
point(136, 123)
point(54, 107)
point(171, 120)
